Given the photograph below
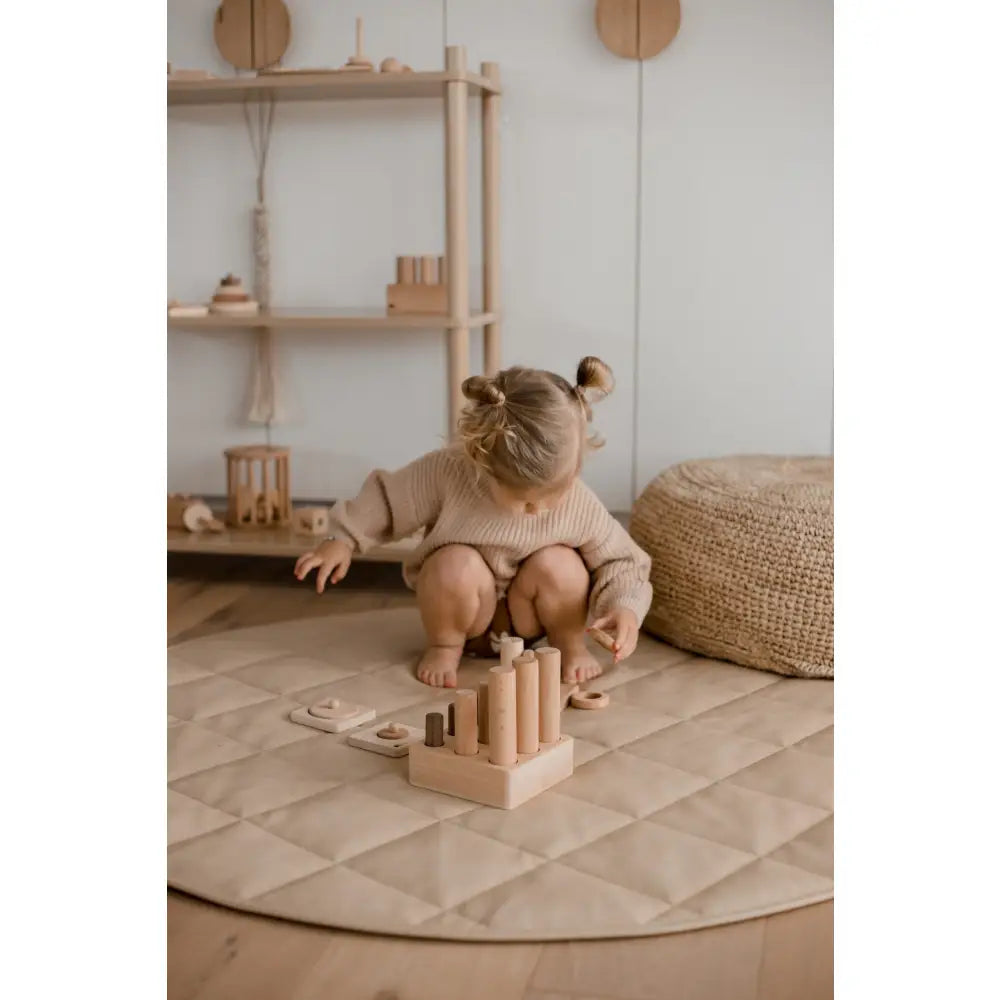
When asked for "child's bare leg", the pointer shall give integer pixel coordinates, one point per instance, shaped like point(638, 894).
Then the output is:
point(457, 597)
point(550, 594)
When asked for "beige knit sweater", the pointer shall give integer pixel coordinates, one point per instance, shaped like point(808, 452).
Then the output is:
point(441, 492)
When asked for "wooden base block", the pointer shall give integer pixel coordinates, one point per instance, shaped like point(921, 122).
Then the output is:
point(505, 787)
point(417, 299)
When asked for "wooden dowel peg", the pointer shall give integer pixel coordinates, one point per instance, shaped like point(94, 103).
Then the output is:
point(549, 693)
point(484, 712)
point(451, 718)
point(466, 723)
point(503, 716)
point(428, 270)
point(434, 730)
point(526, 673)
point(510, 646)
point(406, 270)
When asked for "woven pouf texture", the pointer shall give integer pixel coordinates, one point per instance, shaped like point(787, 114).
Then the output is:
point(742, 552)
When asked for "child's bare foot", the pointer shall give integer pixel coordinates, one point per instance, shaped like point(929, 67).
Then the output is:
point(439, 666)
point(579, 666)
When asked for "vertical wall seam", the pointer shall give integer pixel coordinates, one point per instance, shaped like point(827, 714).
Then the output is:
point(638, 286)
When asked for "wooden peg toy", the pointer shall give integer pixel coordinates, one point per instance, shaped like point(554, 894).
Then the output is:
point(514, 765)
point(332, 715)
point(311, 520)
point(358, 62)
point(419, 288)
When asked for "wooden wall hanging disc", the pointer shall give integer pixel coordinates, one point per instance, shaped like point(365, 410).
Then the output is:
point(252, 34)
point(637, 29)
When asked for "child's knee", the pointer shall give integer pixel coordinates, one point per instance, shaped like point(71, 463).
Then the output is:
point(455, 569)
point(557, 568)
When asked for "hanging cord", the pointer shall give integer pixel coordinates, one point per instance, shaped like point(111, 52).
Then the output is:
point(264, 392)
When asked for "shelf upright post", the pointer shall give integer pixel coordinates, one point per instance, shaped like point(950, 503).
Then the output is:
point(456, 204)
point(491, 219)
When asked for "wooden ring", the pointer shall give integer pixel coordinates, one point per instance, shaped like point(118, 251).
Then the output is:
point(590, 699)
point(329, 708)
point(393, 731)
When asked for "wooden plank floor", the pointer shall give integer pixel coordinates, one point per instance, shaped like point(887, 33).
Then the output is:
point(220, 954)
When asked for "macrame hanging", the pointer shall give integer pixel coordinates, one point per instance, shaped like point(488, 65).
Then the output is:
point(264, 396)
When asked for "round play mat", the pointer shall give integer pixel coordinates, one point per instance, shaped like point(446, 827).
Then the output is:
point(702, 794)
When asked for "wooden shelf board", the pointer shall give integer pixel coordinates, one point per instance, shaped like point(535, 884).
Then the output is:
point(320, 86)
point(279, 542)
point(328, 319)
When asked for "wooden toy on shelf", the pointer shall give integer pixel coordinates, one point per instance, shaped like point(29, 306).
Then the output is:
point(189, 512)
point(186, 310)
point(358, 62)
point(188, 74)
point(332, 715)
point(257, 486)
point(516, 763)
point(311, 520)
point(232, 299)
point(393, 65)
point(421, 286)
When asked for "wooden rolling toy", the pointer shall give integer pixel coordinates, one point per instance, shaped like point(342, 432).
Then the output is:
point(420, 286)
point(311, 520)
point(257, 486)
point(500, 773)
point(191, 513)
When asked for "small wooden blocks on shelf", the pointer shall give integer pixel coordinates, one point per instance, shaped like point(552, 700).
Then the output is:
point(421, 286)
point(311, 520)
point(525, 752)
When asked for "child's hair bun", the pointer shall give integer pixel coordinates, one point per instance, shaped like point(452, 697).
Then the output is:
point(594, 379)
point(481, 389)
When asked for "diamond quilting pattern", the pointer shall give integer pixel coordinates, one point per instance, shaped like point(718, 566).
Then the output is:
point(702, 794)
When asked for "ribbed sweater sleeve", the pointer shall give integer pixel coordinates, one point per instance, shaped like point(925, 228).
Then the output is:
point(391, 505)
point(619, 569)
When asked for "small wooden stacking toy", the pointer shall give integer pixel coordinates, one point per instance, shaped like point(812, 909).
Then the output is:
point(421, 286)
point(232, 299)
point(358, 62)
point(525, 752)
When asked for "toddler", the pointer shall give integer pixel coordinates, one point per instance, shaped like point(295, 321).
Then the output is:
point(515, 543)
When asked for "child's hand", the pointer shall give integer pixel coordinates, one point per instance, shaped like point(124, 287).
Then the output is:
point(624, 626)
point(333, 559)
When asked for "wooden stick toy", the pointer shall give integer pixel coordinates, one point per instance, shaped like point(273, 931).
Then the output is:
point(602, 638)
point(358, 62)
point(420, 286)
point(515, 764)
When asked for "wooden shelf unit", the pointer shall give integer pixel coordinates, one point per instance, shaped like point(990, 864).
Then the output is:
point(331, 319)
point(323, 86)
point(455, 85)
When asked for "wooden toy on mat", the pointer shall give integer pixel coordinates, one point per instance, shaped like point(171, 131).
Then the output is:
point(188, 512)
point(393, 739)
point(257, 486)
point(590, 700)
point(333, 715)
point(525, 752)
point(311, 520)
point(232, 299)
point(421, 286)
point(358, 62)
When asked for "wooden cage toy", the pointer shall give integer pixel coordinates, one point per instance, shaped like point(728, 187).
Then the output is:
point(257, 486)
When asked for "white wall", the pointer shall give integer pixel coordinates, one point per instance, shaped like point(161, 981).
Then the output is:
point(722, 345)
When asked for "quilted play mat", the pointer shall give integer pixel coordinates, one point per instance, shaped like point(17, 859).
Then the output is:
point(702, 794)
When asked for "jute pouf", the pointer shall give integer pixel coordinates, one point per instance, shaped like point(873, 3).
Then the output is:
point(742, 552)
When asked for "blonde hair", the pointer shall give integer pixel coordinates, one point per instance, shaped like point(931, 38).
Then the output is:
point(521, 426)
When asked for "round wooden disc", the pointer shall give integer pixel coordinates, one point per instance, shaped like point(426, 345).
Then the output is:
point(252, 34)
point(637, 29)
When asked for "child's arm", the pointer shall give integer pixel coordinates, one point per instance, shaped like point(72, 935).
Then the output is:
point(620, 593)
point(390, 505)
